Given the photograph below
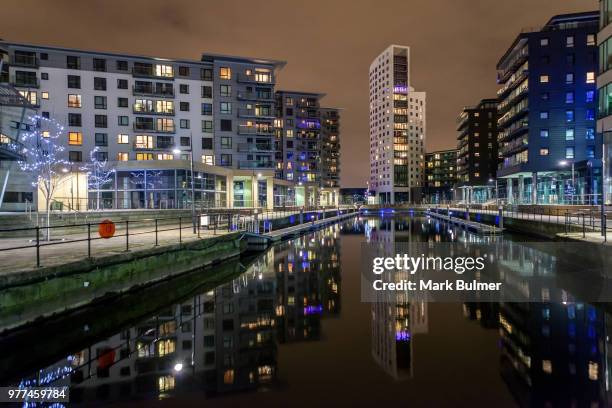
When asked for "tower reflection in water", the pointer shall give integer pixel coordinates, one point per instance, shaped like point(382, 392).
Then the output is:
point(220, 341)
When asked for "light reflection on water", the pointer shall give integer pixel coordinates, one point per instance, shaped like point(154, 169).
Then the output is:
point(235, 337)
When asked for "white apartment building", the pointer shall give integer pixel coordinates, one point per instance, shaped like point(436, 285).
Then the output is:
point(397, 129)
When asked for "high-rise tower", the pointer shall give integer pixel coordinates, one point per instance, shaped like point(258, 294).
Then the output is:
point(397, 129)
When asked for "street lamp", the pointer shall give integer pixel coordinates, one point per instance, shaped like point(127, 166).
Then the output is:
point(193, 216)
point(564, 163)
point(496, 191)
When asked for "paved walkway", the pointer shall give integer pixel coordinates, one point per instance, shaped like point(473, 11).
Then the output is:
point(74, 247)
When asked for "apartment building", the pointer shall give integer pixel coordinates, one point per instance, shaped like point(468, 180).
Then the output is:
point(604, 90)
point(397, 129)
point(440, 175)
point(330, 148)
point(16, 190)
point(551, 152)
point(478, 156)
point(151, 117)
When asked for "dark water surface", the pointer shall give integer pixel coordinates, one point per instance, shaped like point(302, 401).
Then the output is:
point(292, 331)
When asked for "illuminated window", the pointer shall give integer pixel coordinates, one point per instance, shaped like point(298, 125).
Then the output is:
point(590, 77)
point(123, 139)
point(543, 152)
point(228, 377)
point(547, 366)
point(165, 383)
point(225, 73)
point(289, 133)
point(593, 371)
point(208, 159)
point(165, 156)
point(144, 156)
point(144, 142)
point(164, 71)
point(44, 95)
point(31, 96)
point(75, 138)
point(590, 39)
point(45, 133)
point(74, 101)
point(543, 79)
point(164, 107)
point(122, 156)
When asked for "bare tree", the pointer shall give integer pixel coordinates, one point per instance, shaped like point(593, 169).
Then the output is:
point(44, 159)
point(99, 174)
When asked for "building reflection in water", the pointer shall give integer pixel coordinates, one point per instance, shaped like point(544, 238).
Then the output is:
point(397, 317)
point(221, 341)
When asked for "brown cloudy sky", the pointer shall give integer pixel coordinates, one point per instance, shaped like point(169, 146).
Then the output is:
point(328, 45)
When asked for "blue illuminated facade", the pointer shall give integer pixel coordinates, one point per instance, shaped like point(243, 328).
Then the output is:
point(547, 114)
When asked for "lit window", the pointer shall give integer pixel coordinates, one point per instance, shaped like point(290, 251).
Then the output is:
point(544, 115)
point(144, 142)
point(593, 371)
point(165, 156)
point(569, 152)
point(590, 134)
point(569, 78)
point(144, 156)
point(208, 159)
point(164, 71)
point(543, 152)
point(544, 42)
point(569, 134)
point(543, 79)
point(74, 101)
point(543, 132)
point(590, 77)
point(289, 133)
point(123, 139)
point(122, 156)
point(225, 73)
point(590, 39)
point(75, 138)
point(569, 41)
point(547, 366)
point(228, 377)
point(44, 95)
point(569, 115)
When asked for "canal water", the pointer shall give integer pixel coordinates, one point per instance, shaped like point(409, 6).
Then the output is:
point(291, 330)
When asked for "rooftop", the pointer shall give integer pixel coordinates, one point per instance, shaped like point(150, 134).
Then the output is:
point(211, 57)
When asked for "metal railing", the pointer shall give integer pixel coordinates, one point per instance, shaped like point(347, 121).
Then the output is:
point(42, 237)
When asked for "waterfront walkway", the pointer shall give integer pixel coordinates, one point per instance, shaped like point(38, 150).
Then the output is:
point(65, 248)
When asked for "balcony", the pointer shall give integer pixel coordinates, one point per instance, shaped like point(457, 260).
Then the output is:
point(145, 111)
point(254, 130)
point(151, 127)
point(249, 164)
point(29, 61)
point(255, 113)
point(252, 96)
point(151, 91)
point(256, 79)
point(255, 148)
point(25, 82)
point(143, 146)
point(149, 72)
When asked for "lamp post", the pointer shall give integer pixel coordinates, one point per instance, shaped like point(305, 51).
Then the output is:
point(496, 191)
point(177, 151)
point(564, 163)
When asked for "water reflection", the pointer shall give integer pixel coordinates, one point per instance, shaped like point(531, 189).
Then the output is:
point(232, 338)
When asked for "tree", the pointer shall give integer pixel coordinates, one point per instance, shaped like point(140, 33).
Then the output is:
point(44, 158)
point(99, 174)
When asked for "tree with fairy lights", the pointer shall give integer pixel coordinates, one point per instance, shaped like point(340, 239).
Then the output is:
point(99, 174)
point(44, 159)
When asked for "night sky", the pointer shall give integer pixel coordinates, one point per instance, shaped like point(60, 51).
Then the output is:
point(328, 45)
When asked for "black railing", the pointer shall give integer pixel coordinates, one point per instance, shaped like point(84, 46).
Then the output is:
point(41, 237)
